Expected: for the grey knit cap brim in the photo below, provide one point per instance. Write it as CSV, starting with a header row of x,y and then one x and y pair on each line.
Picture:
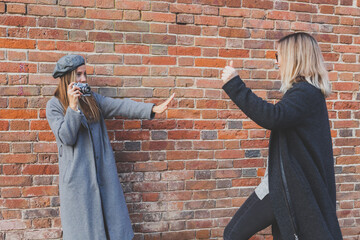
x,y
67,63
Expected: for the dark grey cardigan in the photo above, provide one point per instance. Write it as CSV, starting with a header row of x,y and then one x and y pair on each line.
x,y
300,128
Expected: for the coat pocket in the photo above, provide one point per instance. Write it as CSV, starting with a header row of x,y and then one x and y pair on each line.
x,y
65,161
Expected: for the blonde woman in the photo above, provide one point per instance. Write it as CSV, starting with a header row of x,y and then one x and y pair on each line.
x,y
297,195
91,198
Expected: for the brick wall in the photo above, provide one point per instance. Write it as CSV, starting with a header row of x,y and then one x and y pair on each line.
x,y
186,172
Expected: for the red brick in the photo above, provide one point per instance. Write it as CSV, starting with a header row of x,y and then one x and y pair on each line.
x,y
136,49
16,8
45,56
75,24
234,12
200,185
150,167
159,60
264,4
258,44
19,91
281,15
187,51
245,182
159,39
15,43
75,12
158,82
299,26
48,34
150,186
7,181
80,3
158,17
41,191
10,192
2,7
73,46
18,103
16,56
233,134
105,37
230,154
16,203
258,24
150,197
131,71
105,14
18,21
132,15
181,155
210,20
303,7
210,42
18,114
19,125
183,29
42,10
208,62
133,5
180,134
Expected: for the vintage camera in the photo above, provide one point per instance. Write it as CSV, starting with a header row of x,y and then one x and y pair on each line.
x,y
84,89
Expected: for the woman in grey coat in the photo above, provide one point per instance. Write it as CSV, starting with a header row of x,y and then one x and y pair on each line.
x,y
91,198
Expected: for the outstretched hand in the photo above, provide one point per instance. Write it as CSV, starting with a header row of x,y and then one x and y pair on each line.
x,y
229,73
162,107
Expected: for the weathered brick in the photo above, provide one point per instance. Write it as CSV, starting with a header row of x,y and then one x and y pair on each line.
x,y
82,3
43,10
18,21
105,14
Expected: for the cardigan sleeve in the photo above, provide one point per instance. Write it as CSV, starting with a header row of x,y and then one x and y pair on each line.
x,y
65,127
128,108
297,103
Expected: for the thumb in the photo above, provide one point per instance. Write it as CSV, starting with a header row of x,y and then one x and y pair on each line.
x,y
232,63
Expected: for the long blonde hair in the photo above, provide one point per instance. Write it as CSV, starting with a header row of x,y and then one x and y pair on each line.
x,y
301,59
87,104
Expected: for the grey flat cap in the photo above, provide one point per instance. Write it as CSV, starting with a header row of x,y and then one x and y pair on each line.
x,y
67,63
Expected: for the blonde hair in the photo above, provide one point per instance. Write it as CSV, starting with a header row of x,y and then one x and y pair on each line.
x,y
87,104
301,59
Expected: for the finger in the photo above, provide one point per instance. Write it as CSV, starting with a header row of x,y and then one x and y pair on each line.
x,y
71,85
169,99
232,63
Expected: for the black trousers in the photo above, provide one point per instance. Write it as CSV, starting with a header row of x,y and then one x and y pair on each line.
x,y
253,216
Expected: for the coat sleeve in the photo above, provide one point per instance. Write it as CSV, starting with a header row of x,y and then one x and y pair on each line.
x,y
128,108
65,127
296,104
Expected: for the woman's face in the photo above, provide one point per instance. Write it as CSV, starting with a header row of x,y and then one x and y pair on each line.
x,y
81,74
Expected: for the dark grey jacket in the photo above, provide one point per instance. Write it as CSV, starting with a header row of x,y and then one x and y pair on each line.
x,y
91,197
301,137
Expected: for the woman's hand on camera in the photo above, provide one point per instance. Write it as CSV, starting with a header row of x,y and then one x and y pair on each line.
x,y
229,73
73,95
162,107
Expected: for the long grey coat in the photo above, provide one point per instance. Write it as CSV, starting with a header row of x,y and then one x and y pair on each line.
x,y
91,198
